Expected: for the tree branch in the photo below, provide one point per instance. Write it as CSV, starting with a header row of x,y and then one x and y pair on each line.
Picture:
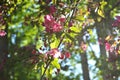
x,y
47,65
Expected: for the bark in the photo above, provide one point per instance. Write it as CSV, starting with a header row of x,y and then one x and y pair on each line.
x,y
3,56
101,32
104,28
84,60
84,63
3,40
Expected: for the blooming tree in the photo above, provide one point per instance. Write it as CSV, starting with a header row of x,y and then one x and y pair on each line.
x,y
42,39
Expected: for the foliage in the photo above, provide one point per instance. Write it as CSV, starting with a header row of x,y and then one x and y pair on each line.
x,y
47,38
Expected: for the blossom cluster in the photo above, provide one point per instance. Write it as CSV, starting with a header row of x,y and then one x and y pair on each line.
x,y
2,33
112,51
112,48
55,53
51,24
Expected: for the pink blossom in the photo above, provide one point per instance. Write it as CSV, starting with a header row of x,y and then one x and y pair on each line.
x,y
107,46
55,53
2,33
57,27
62,18
118,18
52,9
49,21
51,25
70,24
115,23
49,18
67,55
62,56
112,49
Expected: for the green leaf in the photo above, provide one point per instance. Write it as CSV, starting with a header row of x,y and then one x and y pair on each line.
x,y
49,73
103,3
42,69
90,31
55,43
80,17
75,29
39,44
55,63
100,13
70,37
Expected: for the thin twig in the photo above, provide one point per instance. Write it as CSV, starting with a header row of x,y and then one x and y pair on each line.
x,y
47,65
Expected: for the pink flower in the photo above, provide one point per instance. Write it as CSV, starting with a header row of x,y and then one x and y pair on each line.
x,y
49,18
112,49
55,53
61,56
48,23
51,25
2,33
107,46
118,18
115,23
57,27
52,9
70,24
62,19
67,55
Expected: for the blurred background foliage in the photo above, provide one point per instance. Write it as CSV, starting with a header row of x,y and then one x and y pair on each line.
x,y
92,23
